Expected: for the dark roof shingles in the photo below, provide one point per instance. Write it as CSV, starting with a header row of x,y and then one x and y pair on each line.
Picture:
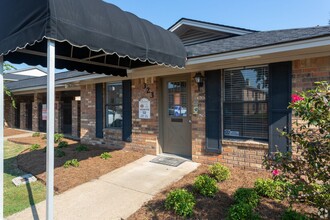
x,y
42,81
255,40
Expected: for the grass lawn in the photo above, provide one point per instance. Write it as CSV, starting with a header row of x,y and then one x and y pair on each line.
x,y
18,198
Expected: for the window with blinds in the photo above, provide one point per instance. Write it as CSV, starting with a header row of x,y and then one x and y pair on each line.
x,y
114,105
245,103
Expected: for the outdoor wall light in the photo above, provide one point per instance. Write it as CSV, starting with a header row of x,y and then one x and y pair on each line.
x,y
199,79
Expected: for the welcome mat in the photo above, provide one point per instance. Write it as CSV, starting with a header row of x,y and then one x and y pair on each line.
x,y
169,161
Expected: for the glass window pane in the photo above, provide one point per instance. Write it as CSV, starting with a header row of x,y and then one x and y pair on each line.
x,y
177,99
246,103
114,107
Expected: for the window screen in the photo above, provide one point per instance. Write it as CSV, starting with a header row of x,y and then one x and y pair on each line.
x,y
114,106
245,104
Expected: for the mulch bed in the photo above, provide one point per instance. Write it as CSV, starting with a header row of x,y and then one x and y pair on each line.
x,y
217,207
91,166
10,132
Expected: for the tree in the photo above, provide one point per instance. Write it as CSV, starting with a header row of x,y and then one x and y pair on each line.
x,y
307,169
7,92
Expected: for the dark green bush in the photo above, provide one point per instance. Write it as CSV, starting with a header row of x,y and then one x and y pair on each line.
x,y
290,214
242,211
58,138
219,172
105,156
273,189
62,144
72,163
206,185
181,201
59,153
247,195
34,147
81,148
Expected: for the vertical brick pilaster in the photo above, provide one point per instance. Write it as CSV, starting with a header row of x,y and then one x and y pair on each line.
x,y
9,114
35,111
23,116
58,116
76,118
88,113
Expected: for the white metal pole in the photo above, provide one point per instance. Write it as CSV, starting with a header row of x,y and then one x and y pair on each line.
x,y
50,128
2,103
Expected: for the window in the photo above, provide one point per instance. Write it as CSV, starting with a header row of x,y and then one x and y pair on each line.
x,y
177,98
245,104
114,106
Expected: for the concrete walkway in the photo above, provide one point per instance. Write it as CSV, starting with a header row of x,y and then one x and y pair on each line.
x,y
115,195
27,134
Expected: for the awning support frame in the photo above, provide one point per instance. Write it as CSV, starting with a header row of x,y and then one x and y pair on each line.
x,y
2,103
50,128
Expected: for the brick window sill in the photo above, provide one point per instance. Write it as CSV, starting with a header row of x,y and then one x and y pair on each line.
x,y
245,143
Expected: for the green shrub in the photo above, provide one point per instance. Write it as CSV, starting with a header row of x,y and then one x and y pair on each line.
x,y
62,144
81,148
59,153
219,172
36,134
105,156
290,214
181,201
206,185
44,137
242,211
72,163
310,140
273,189
246,195
34,147
58,138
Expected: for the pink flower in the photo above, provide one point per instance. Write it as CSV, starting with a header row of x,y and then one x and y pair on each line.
x,y
276,172
296,98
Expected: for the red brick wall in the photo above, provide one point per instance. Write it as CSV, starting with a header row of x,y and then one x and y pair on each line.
x,y
308,71
144,131
9,113
88,117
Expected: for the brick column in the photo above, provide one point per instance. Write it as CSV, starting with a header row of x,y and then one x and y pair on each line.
x,y
9,114
23,115
35,111
76,118
58,116
88,117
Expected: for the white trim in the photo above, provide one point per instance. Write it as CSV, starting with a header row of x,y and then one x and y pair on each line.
x,y
209,26
325,41
2,103
50,129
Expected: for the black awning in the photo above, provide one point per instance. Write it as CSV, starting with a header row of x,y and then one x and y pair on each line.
x,y
90,35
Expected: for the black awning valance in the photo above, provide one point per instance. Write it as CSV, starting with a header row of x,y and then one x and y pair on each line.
x,y
90,35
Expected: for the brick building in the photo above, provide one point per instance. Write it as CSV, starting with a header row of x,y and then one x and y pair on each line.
x,y
231,116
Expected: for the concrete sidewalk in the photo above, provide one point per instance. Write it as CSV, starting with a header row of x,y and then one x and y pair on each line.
x,y
115,195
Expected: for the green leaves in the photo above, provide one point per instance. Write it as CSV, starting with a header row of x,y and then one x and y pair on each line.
x,y
308,165
181,201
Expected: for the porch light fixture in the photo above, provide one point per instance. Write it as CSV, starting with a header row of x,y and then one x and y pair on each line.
x,y
199,79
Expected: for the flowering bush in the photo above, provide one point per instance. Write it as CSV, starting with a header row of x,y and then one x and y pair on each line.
x,y
307,168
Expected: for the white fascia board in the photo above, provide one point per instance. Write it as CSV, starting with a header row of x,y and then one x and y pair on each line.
x,y
299,45
213,27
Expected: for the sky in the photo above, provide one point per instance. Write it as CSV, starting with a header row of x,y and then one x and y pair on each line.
x,y
261,15
251,14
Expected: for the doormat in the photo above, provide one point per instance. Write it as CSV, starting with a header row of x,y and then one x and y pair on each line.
x,y
169,161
